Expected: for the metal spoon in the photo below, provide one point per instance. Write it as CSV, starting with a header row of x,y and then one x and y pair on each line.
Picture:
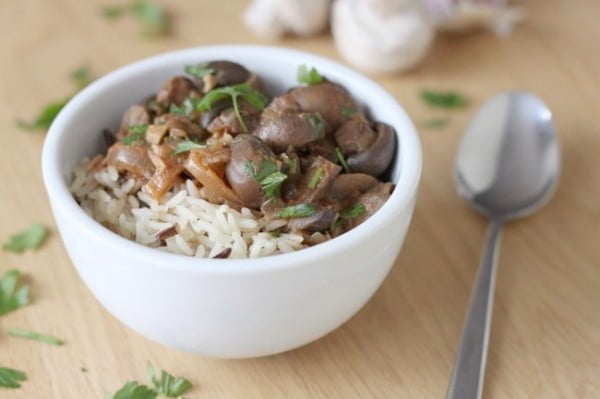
x,y
507,166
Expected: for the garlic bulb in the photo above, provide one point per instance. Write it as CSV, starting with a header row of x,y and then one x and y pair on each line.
x,y
274,18
465,15
381,36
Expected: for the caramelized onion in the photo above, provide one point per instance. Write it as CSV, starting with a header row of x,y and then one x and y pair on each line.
x,y
198,167
130,158
166,174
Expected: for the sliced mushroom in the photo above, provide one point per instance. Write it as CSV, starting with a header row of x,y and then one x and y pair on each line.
x,y
130,158
175,91
247,152
355,135
375,160
135,115
281,130
320,221
192,130
348,187
155,133
225,73
227,121
372,200
315,181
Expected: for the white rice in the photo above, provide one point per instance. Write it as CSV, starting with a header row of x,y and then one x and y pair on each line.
x,y
203,229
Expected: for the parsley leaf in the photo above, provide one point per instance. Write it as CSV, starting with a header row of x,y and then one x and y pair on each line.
x,y
269,177
133,390
168,385
448,99
317,122
153,18
252,97
297,211
82,76
316,179
136,133
347,112
199,70
47,339
340,157
186,109
435,123
45,118
30,238
11,297
308,76
10,378
187,145
354,211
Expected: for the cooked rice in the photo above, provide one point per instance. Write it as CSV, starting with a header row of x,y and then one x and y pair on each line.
x,y
203,229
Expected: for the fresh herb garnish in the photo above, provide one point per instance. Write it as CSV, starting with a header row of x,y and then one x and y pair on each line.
x,y
186,109
243,90
112,12
317,122
349,213
13,293
47,339
11,378
443,99
82,76
316,179
187,145
309,76
136,133
198,70
45,118
30,238
347,112
83,369
297,211
435,123
340,157
268,176
168,385
292,166
153,18
133,390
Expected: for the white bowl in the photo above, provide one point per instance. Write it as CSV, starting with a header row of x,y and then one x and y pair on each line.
x,y
225,307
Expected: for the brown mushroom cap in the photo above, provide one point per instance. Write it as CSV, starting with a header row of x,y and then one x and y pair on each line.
x,y
247,150
347,187
354,135
228,73
281,130
375,160
175,91
320,221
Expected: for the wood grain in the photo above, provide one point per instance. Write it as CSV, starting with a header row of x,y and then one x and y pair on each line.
x,y
546,336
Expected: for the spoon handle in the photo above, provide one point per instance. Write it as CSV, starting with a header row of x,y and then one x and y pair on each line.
x,y
469,370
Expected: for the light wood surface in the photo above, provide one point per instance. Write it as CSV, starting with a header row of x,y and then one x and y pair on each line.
x,y
546,336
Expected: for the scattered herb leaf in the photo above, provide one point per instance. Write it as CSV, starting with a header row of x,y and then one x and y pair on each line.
x,y
83,369
112,12
297,211
133,390
435,123
11,378
11,297
447,99
252,97
47,339
292,166
354,211
347,112
198,70
30,238
187,145
308,76
82,76
168,385
317,122
186,109
316,179
153,18
269,177
136,133
340,157
45,118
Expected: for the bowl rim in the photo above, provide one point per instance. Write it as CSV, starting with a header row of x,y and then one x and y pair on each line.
x,y
61,198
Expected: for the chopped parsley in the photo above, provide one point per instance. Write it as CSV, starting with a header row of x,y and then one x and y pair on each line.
x,y
186,109
30,238
45,118
11,378
340,157
47,339
198,70
443,99
13,293
168,385
268,176
308,76
316,178
292,166
297,211
136,133
347,112
187,145
349,213
243,90
435,123
134,390
317,122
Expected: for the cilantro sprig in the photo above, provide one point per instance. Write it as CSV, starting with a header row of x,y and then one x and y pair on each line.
x,y
168,385
13,293
134,390
187,145
186,109
309,76
268,176
47,339
11,378
30,238
45,117
297,211
234,92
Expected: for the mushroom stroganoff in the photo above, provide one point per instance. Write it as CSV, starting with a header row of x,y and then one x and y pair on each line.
x,y
211,166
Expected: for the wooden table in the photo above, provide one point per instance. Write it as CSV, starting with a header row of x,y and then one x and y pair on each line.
x,y
546,337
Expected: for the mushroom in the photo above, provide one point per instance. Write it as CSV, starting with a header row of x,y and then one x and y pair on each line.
x,y
290,129
346,188
320,221
175,91
223,73
227,122
381,36
274,18
247,151
196,164
372,200
135,115
131,158
375,158
315,181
